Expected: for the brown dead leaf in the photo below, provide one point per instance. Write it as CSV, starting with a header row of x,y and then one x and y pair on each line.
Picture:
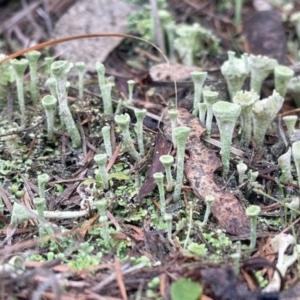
x,y
200,168
162,146
166,72
88,17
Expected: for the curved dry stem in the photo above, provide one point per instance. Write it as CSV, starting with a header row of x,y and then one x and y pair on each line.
x,y
87,36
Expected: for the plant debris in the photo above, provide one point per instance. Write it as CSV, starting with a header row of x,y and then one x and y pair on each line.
x,y
200,168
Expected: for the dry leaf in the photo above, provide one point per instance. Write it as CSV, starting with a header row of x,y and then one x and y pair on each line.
x,y
162,146
90,17
165,72
200,168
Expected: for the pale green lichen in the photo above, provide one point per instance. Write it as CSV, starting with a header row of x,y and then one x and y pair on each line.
x,y
282,75
260,67
226,114
60,70
264,112
235,70
198,80
181,135
49,103
33,57
209,98
252,212
294,89
19,67
246,100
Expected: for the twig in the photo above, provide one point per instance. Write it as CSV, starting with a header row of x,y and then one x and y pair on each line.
x,y
119,278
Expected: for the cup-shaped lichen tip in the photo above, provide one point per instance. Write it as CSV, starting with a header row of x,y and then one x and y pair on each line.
x,y
61,67
181,133
122,120
49,102
253,210
283,74
100,159
226,114
209,97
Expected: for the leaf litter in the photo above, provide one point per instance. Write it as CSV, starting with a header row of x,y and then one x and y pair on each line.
x,y
200,167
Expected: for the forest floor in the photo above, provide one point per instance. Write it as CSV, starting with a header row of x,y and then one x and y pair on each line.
x,y
132,255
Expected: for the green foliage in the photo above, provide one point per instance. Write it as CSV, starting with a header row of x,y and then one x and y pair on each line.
x,y
85,257
141,19
198,249
6,72
218,239
191,41
185,289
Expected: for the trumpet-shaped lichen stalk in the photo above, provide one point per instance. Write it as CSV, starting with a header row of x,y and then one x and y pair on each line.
x,y
33,57
264,112
51,83
105,89
101,208
252,176
130,84
294,207
107,140
282,75
208,200
260,68
123,121
107,99
180,134
187,42
40,205
235,70
42,180
246,100
226,114
80,65
60,70
290,122
238,4
173,113
295,19
210,98
241,168
167,161
198,80
101,160
7,75
284,162
19,67
252,213
168,220
294,89
49,61
49,103
296,157
140,115
159,180
202,107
